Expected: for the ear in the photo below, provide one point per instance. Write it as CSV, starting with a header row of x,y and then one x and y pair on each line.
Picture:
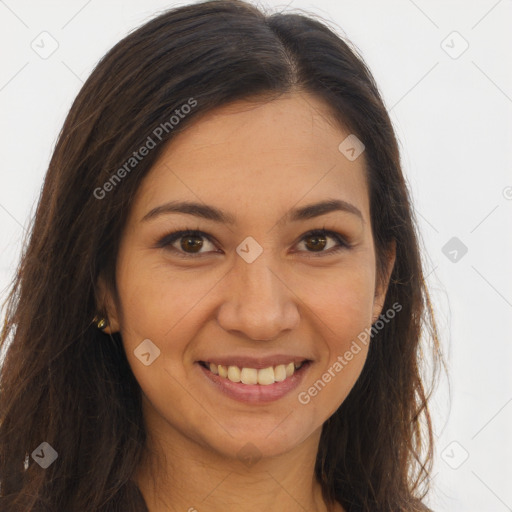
x,y
383,283
107,307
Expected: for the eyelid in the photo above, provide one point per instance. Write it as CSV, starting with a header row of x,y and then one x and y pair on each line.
x,y
341,240
167,240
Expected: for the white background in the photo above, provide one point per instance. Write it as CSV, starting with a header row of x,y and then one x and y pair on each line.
x,y
453,117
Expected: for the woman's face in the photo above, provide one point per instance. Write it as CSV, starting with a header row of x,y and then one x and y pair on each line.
x,y
256,292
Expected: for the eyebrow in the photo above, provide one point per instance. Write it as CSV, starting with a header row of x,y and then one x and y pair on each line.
x,y
215,214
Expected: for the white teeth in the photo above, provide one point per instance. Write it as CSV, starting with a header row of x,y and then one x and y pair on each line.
x,y
280,373
251,376
266,376
234,373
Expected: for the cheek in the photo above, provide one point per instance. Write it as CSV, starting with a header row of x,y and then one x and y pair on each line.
x,y
163,306
342,309
341,299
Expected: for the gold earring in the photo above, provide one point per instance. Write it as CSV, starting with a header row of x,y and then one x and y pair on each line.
x,y
101,323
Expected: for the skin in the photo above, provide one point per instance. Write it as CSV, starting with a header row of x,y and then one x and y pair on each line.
x,y
256,161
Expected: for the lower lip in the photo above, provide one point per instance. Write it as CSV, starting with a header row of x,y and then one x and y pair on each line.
x,y
256,393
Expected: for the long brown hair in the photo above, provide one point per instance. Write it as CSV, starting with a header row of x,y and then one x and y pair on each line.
x,y
66,383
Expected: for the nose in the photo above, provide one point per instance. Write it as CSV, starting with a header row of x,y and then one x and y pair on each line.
x,y
257,303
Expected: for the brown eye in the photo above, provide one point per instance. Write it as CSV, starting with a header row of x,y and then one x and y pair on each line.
x,y
317,242
191,243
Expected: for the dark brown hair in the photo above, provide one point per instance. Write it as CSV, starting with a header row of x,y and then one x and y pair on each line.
x,y
66,383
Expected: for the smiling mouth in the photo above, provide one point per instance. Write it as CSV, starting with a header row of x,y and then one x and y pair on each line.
x,y
251,376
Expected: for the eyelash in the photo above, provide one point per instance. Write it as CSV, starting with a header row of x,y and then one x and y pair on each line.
x,y
170,238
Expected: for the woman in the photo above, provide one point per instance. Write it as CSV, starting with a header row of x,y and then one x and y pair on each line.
x,y
221,301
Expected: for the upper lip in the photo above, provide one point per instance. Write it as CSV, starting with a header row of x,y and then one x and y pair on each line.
x,y
254,362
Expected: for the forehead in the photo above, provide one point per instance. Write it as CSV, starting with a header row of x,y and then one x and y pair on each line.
x,y
258,155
